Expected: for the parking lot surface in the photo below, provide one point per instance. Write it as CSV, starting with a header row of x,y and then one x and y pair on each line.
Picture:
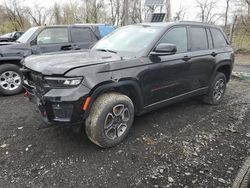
x,y
188,144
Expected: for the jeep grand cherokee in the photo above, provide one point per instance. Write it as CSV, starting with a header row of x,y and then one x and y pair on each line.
x,y
137,69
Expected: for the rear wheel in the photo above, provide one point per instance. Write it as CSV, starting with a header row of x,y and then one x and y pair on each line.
x,y
11,81
110,119
216,90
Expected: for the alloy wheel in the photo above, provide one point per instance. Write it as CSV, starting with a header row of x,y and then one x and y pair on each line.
x,y
116,122
10,80
219,89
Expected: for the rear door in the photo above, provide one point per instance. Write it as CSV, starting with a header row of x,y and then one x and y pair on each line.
x,y
52,39
82,37
202,56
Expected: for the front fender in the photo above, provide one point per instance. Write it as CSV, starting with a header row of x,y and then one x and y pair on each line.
x,y
117,86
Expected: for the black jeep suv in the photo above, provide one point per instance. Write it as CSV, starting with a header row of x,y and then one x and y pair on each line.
x,y
44,39
136,69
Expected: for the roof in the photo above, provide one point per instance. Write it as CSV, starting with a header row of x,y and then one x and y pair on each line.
x,y
167,24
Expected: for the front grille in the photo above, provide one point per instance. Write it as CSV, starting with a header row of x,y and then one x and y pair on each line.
x,y
36,79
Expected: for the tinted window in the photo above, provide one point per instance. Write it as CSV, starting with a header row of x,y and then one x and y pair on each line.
x,y
198,39
177,36
53,36
218,39
82,35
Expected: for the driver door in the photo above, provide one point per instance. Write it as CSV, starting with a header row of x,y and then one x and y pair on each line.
x,y
52,39
170,75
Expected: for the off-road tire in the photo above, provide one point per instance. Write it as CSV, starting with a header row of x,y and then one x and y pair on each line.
x,y
209,98
13,68
104,105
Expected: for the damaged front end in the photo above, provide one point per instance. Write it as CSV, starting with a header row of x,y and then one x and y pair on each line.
x,y
59,100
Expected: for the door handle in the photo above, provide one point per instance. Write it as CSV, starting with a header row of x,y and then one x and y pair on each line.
x,y
68,47
76,47
214,54
186,58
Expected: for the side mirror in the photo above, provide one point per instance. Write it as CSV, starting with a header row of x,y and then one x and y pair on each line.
x,y
164,49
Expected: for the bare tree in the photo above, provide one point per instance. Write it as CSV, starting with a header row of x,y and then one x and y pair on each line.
x,y
206,13
180,14
38,14
232,29
116,9
124,20
16,14
57,13
135,12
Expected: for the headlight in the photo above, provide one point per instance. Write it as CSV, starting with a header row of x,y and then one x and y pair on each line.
x,y
63,82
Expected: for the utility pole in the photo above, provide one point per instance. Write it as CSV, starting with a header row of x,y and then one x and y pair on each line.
x,y
226,14
168,13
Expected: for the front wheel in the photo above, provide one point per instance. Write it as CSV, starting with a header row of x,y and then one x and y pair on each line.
x,y
110,119
11,81
216,90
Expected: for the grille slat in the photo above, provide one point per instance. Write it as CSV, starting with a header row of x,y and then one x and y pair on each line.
x,y
36,79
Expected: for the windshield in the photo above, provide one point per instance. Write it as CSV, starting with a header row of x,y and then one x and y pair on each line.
x,y
130,40
26,36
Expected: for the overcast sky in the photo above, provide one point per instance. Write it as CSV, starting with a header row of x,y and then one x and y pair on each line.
x,y
189,5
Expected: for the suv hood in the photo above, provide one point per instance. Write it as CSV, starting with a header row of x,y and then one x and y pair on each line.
x,y
10,49
7,43
60,63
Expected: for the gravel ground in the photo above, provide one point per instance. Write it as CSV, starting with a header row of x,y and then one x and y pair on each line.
x,y
188,144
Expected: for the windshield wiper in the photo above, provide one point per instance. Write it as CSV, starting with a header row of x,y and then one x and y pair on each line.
x,y
106,50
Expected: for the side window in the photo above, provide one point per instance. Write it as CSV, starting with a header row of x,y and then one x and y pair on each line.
x,y
53,36
218,39
82,35
198,39
177,36
210,40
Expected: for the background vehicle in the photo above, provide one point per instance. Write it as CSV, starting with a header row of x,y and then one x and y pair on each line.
x,y
44,40
134,70
11,37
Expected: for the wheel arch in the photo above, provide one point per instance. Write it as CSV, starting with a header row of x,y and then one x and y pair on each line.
x,y
11,61
225,68
129,88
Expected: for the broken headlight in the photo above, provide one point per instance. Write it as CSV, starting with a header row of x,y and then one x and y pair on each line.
x,y
63,82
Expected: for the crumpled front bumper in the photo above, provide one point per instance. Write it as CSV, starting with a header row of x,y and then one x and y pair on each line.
x,y
59,105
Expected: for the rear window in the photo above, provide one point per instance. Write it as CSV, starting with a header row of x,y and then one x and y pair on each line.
x,y
198,39
82,35
218,39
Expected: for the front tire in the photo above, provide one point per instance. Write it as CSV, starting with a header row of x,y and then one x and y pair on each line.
x,y
216,90
11,81
110,119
